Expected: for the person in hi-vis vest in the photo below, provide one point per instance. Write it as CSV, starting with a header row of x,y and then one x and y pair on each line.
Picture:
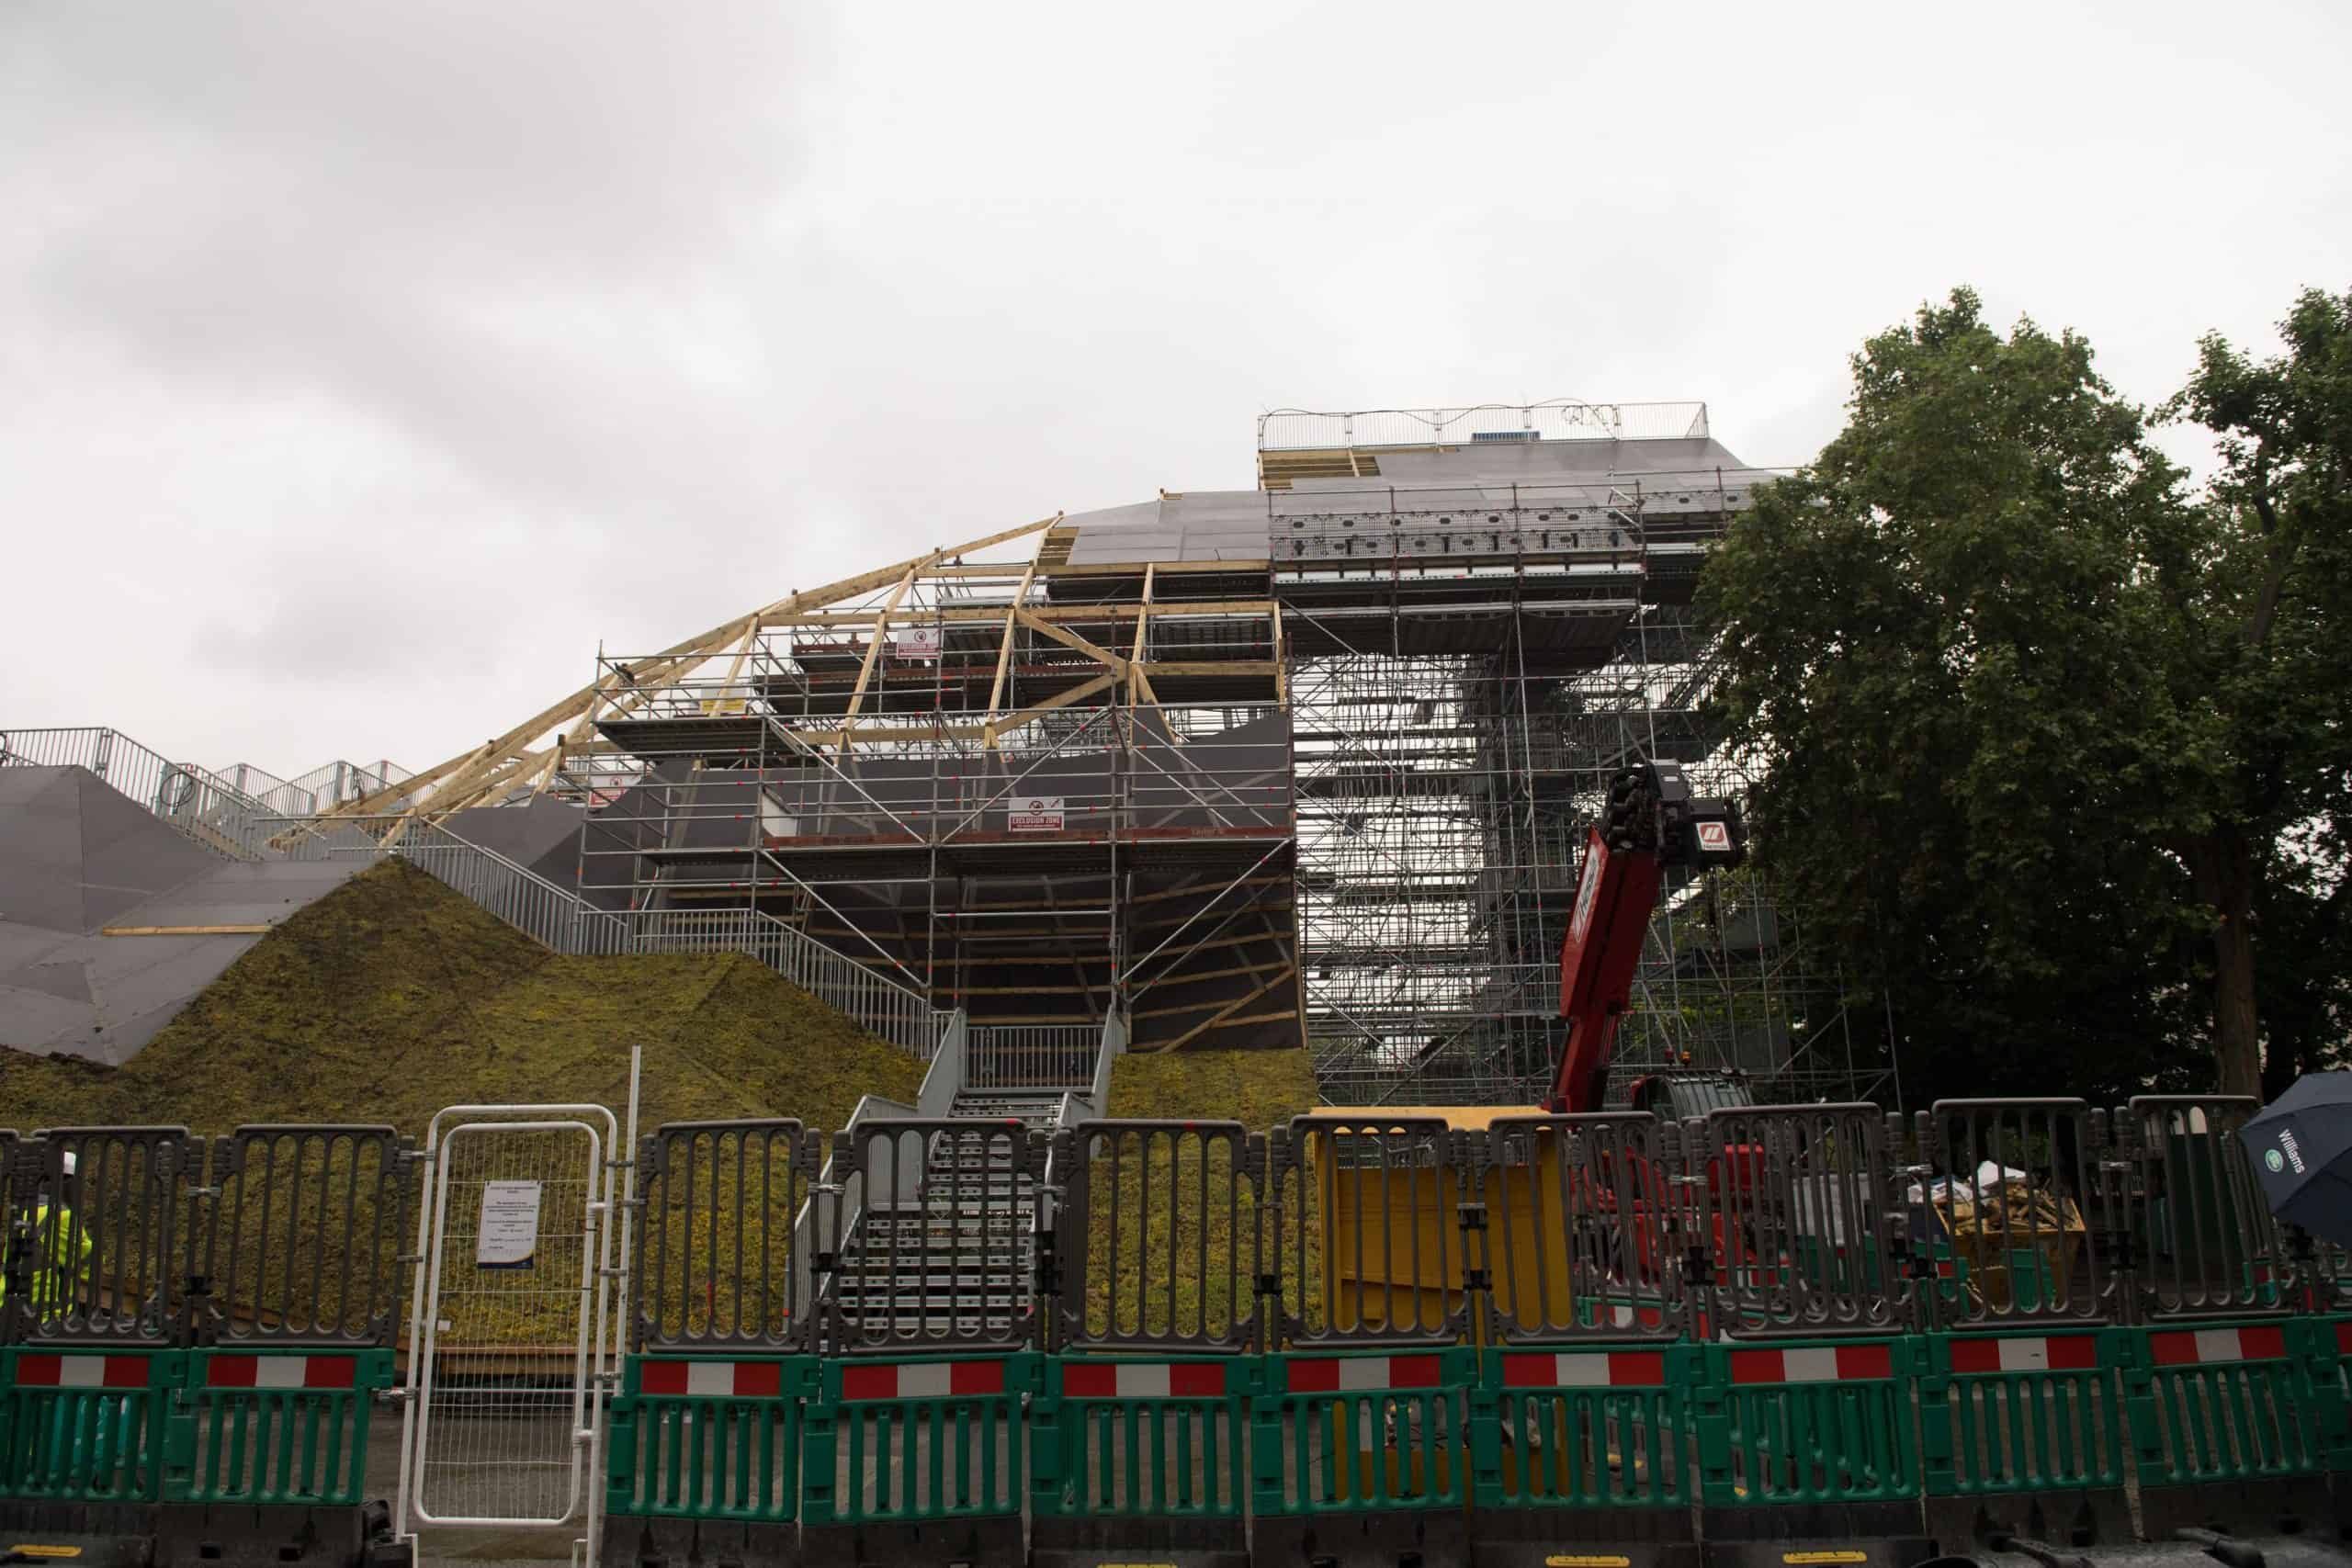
x,y
59,1264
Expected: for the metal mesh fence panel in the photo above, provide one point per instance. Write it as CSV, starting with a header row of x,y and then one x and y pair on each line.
x,y
1160,1234
716,1260
302,1240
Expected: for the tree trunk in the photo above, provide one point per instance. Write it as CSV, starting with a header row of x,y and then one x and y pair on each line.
x,y
2223,867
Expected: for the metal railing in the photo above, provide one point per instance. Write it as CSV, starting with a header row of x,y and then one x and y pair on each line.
x,y
1034,1056
1556,418
204,807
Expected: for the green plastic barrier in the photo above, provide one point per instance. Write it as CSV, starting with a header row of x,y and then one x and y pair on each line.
x,y
1359,1456
702,1457
1584,1454
707,1438
2225,1425
923,1458
277,1427
2023,1430
2324,1344
1141,1458
86,1425
1807,1447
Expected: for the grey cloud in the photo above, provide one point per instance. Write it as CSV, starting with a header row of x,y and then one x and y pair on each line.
x,y
367,364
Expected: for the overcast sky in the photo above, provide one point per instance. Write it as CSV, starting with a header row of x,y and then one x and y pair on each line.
x,y
363,365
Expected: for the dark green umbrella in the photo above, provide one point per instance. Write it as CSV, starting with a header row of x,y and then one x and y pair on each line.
x,y
2301,1146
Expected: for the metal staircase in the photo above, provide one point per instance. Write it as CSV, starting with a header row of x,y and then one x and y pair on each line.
x,y
954,1260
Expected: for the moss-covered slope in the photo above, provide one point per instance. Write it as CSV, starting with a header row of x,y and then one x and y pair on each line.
x,y
1260,1090
394,996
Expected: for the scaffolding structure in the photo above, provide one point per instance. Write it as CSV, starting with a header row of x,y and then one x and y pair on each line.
x,y
1305,764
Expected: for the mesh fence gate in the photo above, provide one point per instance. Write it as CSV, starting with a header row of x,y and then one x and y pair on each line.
x,y
508,1320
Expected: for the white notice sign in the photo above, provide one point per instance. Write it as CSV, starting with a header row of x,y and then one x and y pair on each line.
x,y
509,1225
917,642
1034,814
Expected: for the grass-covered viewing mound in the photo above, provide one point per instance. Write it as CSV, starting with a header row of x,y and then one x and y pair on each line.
x,y
395,995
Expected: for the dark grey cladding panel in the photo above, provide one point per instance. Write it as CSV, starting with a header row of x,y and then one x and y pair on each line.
x,y
128,853
543,835
1509,462
65,978
74,852
238,893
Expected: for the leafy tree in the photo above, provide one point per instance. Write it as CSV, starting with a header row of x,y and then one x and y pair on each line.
x,y
2036,727
2268,840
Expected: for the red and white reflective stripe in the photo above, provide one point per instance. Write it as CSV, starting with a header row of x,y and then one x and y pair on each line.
x,y
1831,1363
927,1380
2205,1347
713,1380
279,1372
81,1371
1596,1368
1362,1374
2073,1353
1142,1380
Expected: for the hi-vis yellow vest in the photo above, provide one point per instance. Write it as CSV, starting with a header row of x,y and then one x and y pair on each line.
x,y
51,1229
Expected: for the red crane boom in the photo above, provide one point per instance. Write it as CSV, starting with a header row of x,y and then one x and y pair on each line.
x,y
1651,822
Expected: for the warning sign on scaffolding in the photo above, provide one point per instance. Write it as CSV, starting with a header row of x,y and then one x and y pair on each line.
x,y
1034,814
915,642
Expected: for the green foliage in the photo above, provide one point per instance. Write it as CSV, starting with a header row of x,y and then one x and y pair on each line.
x,y
1993,659
394,996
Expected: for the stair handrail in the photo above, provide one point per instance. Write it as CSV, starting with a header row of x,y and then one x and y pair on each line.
x,y
902,1014
833,1211
943,1081
1114,1046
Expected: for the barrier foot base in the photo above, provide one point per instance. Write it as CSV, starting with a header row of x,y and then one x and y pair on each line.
x,y
1835,1535
991,1542
636,1541
1420,1538
260,1535
1600,1538
2295,1506
1057,1542
93,1535
2087,1516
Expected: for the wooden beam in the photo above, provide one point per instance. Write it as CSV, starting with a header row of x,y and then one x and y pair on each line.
x,y
1222,1014
1127,568
1071,640
1060,700
867,582
1004,653
1281,661
874,651
892,732
183,931
992,613
1142,679
1193,889
1213,667
565,709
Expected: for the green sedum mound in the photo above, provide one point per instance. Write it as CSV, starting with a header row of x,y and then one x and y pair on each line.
x,y
1171,1253
1260,1090
395,995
